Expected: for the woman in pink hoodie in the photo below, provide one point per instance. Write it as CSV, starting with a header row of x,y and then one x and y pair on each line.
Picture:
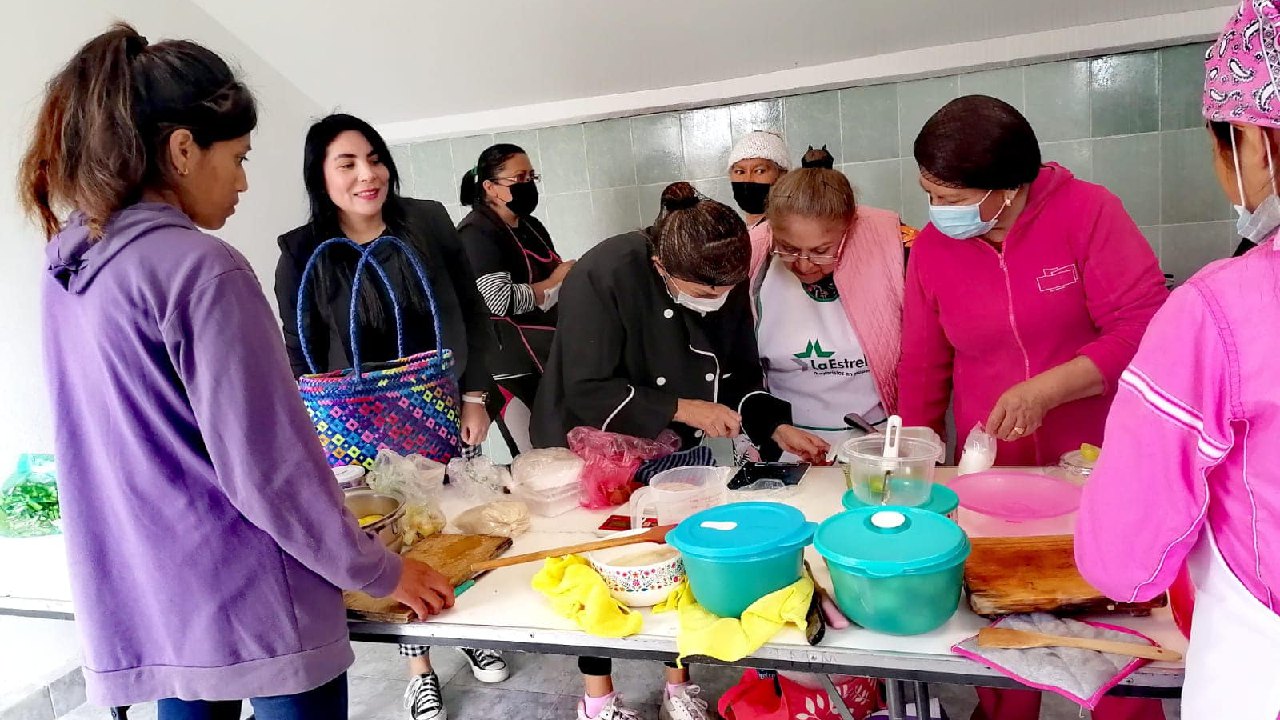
x,y
1191,468
1026,297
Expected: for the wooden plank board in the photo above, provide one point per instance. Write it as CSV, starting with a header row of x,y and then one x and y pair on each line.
x,y
1004,576
450,554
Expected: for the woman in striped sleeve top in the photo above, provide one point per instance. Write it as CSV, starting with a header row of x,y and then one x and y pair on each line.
x,y
518,272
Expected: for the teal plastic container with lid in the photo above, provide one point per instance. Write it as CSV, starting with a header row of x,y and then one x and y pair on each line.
x,y
895,570
943,501
736,554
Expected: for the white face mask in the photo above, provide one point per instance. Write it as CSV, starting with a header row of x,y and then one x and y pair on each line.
x,y
1257,225
699,305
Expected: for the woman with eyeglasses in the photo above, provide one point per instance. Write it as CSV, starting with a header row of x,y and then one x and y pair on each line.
x,y
518,273
827,284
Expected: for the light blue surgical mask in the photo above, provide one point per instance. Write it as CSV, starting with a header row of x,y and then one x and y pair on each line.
x,y
1261,223
963,221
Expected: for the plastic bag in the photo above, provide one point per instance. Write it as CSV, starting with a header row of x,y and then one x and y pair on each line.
x,y
979,452
478,478
508,518
29,499
611,462
546,469
419,482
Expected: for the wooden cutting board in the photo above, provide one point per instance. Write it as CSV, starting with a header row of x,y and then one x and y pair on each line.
x,y
1004,576
452,555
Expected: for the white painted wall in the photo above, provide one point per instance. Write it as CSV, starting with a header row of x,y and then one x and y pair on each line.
x,y
44,35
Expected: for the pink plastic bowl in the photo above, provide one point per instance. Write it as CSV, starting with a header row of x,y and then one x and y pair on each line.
x,y
1016,496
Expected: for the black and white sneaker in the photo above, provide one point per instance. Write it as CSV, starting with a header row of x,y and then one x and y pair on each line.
x,y
487,665
422,698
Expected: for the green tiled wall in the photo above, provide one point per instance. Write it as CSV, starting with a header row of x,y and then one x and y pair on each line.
x,y
1130,122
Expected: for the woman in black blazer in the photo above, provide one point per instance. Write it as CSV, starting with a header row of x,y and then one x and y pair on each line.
x,y
353,187
518,272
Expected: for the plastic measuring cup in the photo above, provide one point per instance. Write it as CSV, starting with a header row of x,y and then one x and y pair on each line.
x,y
675,494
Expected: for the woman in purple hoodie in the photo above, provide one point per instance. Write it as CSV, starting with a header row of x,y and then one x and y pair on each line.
x,y
206,537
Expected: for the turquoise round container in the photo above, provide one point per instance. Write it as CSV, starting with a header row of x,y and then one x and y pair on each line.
x,y
736,554
895,570
943,501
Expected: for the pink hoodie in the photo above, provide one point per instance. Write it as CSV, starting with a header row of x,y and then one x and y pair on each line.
x,y
1074,278
1202,386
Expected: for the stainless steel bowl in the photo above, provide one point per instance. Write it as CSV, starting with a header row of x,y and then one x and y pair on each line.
x,y
363,501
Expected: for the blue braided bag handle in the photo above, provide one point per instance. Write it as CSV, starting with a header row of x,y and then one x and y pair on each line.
x,y
366,259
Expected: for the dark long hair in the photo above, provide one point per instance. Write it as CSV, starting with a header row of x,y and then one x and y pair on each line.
x,y
335,269
978,142
102,130
471,190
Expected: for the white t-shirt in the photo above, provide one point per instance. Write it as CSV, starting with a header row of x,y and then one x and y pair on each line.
x,y
812,357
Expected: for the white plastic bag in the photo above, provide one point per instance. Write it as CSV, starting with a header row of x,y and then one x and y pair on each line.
x,y
547,469
979,452
508,518
478,478
419,482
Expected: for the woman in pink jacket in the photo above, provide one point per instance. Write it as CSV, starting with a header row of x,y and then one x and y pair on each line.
x,y
826,286
1191,467
1026,297
1027,293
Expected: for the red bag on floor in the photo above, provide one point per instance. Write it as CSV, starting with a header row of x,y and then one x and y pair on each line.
x,y
770,696
608,478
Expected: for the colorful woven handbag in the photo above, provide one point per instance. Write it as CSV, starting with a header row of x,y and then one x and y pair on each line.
x,y
409,405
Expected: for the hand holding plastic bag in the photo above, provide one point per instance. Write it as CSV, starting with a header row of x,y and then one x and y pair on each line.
x,y
979,452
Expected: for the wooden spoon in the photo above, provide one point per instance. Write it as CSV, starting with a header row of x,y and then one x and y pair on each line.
x,y
1009,638
653,535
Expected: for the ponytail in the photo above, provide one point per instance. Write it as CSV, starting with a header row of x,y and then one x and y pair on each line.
x,y
102,131
467,193
86,151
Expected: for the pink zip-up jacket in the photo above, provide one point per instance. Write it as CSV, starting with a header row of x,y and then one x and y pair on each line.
x,y
1192,440
1074,277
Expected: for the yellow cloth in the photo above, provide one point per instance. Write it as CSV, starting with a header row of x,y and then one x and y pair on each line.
x,y
577,592
731,639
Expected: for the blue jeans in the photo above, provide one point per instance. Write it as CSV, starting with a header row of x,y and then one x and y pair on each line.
x,y
327,702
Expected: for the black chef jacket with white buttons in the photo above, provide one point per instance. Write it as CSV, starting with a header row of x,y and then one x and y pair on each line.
x,y
624,352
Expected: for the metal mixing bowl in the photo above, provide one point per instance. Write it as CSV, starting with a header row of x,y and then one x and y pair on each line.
x,y
363,501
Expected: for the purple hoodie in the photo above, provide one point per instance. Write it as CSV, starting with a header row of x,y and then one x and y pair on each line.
x,y
206,536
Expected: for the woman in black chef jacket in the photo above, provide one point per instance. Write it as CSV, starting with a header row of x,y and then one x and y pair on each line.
x,y
518,273
656,332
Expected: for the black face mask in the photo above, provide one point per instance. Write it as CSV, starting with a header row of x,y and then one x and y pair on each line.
x,y
751,196
524,198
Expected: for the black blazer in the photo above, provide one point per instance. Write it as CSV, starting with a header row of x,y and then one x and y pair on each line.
x,y
464,319
625,352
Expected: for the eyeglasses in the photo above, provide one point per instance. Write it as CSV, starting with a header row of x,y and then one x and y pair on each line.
x,y
509,181
791,257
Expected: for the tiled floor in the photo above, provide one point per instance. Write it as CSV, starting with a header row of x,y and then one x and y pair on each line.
x,y
545,687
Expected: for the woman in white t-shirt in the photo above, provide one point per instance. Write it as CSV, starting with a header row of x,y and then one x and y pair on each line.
x,y
827,284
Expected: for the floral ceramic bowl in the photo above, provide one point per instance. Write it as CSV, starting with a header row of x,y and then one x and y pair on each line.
x,y
639,575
